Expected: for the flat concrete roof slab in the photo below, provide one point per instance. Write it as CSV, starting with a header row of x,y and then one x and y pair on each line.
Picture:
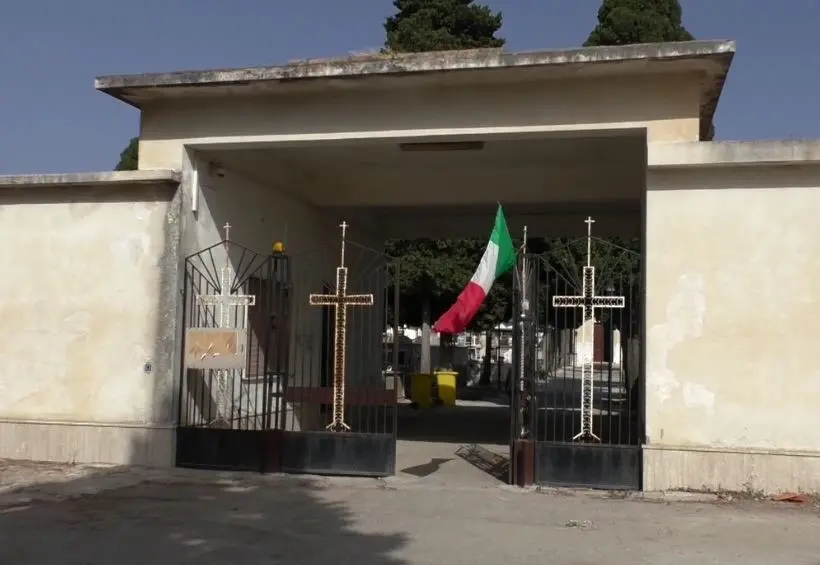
x,y
711,59
392,63
157,176
727,153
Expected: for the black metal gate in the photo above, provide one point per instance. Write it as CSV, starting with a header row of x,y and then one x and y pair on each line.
x,y
577,411
256,390
234,359
354,434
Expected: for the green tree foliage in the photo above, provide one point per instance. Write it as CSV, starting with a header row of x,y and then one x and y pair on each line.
x,y
428,270
437,270
129,156
440,25
625,22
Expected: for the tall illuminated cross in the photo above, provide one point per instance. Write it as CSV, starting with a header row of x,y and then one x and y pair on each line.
x,y
340,300
589,303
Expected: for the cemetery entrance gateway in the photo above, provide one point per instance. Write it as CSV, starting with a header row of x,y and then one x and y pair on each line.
x,y
576,413
266,361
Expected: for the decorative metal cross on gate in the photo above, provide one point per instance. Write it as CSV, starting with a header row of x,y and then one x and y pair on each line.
x,y
340,300
589,303
225,299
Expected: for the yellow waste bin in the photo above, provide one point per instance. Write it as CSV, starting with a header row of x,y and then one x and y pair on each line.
x,y
447,387
421,389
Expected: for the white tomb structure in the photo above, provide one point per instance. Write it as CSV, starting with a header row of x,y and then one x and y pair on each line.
x,y
584,345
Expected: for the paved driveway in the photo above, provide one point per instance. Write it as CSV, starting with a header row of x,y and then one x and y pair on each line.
x,y
87,516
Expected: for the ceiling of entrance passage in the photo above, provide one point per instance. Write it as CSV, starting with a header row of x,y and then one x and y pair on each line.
x,y
541,170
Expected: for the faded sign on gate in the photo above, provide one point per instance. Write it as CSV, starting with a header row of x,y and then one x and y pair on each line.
x,y
216,348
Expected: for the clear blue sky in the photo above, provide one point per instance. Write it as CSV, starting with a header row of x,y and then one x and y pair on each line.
x,y
52,119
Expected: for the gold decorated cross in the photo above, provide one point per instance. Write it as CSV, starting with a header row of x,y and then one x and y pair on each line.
x,y
340,300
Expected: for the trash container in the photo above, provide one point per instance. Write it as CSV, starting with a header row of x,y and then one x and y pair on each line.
x,y
421,389
447,387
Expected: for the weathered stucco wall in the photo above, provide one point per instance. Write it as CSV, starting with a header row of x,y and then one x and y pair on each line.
x,y
668,106
87,300
259,214
732,318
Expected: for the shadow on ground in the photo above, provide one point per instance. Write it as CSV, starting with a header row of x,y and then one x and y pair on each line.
x,y
100,518
488,424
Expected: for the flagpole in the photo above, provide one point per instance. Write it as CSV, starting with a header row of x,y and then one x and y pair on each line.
x,y
525,306
524,266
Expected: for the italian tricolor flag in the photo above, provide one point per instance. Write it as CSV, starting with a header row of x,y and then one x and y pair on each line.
x,y
498,258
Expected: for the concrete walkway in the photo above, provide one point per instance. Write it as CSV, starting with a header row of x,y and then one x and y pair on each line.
x,y
440,464
76,515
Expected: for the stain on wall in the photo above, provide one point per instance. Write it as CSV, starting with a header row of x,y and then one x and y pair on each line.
x,y
733,309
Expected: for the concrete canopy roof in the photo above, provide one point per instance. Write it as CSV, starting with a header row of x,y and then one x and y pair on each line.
x,y
711,59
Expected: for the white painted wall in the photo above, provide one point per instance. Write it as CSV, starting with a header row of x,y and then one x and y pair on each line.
x,y
259,213
81,299
733,318
733,307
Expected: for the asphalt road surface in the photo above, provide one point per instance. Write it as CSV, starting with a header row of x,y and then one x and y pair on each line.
x,y
128,517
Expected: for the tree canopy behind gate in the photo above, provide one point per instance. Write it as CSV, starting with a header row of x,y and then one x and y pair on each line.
x,y
441,25
437,270
129,158
625,22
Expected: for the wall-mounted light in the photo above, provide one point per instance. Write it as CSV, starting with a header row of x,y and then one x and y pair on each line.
x,y
195,184
443,146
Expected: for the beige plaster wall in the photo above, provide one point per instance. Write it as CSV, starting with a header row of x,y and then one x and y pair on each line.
x,y
87,300
668,106
259,213
732,319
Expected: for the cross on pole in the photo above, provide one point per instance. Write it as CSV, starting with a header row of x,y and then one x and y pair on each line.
x,y
344,225
523,391
340,300
589,302
589,221
225,299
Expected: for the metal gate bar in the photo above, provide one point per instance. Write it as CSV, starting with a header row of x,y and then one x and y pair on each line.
x,y
366,443
255,390
579,393
230,386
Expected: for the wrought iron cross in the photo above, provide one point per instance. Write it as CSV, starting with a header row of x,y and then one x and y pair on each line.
x,y
589,302
225,299
340,300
